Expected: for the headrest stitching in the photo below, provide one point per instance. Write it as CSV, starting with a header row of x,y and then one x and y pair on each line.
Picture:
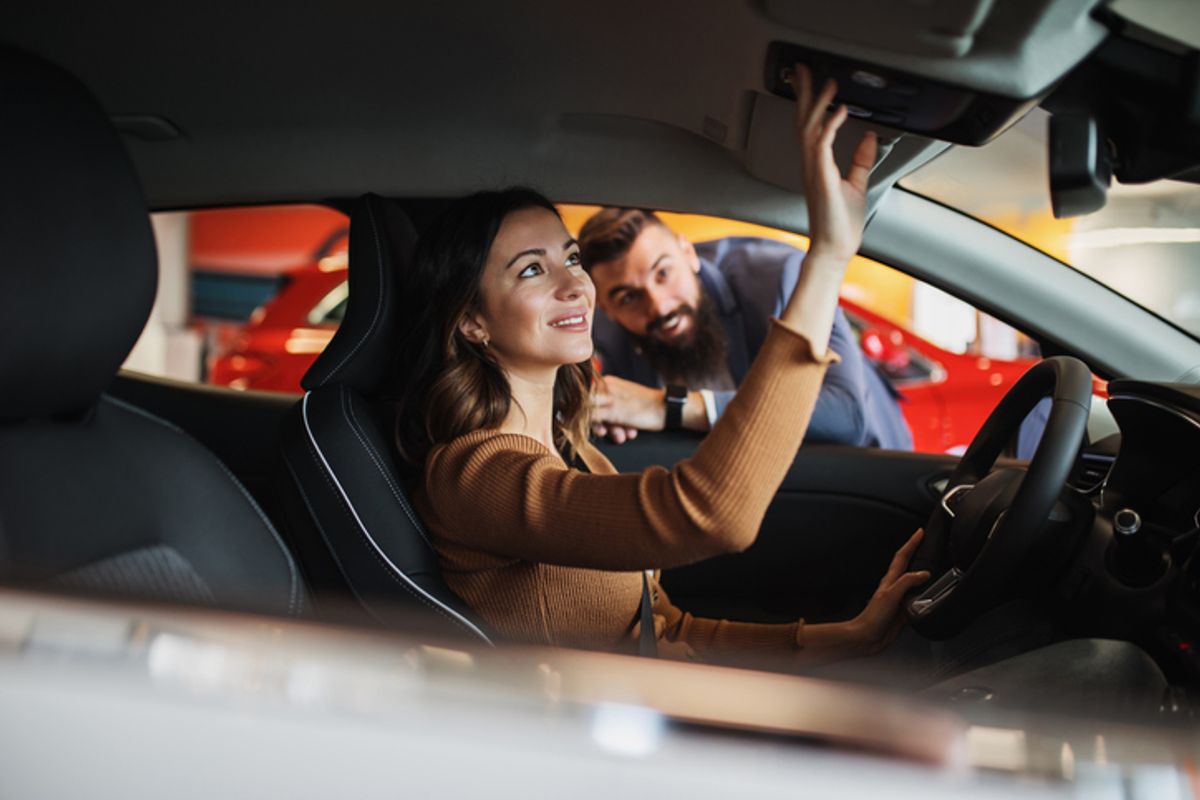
x,y
378,299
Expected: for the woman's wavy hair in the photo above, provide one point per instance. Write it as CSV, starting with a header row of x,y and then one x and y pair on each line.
x,y
451,386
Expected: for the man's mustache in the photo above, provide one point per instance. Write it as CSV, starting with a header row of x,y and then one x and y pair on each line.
x,y
658,322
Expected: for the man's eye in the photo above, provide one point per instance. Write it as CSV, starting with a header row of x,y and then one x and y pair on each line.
x,y
625,299
530,271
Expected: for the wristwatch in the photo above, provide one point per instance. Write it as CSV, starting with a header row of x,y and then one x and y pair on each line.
x,y
675,398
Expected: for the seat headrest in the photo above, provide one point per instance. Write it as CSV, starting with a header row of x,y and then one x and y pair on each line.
x,y
79,257
79,260
362,352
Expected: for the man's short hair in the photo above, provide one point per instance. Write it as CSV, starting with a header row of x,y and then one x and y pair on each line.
x,y
610,233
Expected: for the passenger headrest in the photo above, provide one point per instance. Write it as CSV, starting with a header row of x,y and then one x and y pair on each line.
x,y
78,259
362,352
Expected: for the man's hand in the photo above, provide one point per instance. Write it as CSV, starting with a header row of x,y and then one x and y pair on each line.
x,y
620,408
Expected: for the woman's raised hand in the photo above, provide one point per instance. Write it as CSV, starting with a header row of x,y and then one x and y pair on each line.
x,y
836,204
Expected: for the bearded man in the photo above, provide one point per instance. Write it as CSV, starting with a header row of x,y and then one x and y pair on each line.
x,y
678,325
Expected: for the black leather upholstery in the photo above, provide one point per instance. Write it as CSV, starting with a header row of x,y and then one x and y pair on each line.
x,y
97,494
79,260
360,354
348,513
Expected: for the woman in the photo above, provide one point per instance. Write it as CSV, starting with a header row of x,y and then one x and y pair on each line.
x,y
533,526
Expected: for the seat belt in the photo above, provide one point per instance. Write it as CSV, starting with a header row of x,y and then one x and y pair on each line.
x,y
647,641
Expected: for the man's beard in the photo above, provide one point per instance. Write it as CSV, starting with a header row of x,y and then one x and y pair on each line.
x,y
696,358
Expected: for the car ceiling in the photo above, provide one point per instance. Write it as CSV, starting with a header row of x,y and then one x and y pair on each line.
x,y
622,101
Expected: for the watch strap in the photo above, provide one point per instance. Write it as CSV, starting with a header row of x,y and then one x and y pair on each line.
x,y
676,398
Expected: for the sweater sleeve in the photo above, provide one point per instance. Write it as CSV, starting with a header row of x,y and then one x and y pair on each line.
x,y
506,494
725,641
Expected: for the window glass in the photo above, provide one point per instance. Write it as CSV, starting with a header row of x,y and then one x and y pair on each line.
x,y
1143,244
949,362
247,296
251,296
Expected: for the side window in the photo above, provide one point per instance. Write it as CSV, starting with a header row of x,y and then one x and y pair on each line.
x,y
247,296
947,362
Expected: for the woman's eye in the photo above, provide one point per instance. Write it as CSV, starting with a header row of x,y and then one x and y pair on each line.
x,y
530,271
574,260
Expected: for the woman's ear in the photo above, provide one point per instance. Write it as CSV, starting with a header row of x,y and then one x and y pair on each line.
x,y
472,327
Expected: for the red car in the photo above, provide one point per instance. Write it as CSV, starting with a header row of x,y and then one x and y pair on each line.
x,y
284,336
947,396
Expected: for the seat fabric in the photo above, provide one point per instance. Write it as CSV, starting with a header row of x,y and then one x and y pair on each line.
x,y
98,495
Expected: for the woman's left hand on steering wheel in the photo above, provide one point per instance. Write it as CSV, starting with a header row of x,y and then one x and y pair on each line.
x,y
882,620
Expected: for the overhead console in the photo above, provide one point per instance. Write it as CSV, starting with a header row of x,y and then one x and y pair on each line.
x,y
920,73
898,99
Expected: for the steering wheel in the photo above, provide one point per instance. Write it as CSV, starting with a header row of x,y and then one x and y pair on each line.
x,y
988,519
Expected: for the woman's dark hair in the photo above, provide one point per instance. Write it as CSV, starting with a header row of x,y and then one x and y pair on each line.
x,y
451,386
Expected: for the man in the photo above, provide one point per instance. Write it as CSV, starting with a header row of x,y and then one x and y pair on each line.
x,y
691,318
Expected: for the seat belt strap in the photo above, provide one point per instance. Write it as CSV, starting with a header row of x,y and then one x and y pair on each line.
x,y
647,641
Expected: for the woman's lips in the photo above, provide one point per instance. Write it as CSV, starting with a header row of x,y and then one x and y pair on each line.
x,y
575,321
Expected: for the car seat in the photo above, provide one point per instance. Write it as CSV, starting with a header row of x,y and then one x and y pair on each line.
x,y
97,495
347,510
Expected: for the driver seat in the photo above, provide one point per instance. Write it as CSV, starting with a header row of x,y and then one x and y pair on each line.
x,y
346,508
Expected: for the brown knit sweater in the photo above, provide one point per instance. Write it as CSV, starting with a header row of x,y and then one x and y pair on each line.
x,y
549,554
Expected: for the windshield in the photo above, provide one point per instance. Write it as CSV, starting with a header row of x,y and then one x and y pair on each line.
x,y
1144,244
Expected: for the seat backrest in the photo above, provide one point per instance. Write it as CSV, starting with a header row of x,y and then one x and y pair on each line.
x,y
349,516
97,495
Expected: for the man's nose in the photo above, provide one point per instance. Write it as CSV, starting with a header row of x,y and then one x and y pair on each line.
x,y
660,302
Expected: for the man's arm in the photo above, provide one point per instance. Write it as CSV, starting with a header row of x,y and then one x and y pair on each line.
x,y
840,413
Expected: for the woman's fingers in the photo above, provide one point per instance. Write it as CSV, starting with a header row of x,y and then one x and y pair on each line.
x,y
816,114
802,86
909,581
809,112
832,126
864,160
902,557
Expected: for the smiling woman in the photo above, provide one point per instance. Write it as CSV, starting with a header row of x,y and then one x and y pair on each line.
x,y
492,302
533,526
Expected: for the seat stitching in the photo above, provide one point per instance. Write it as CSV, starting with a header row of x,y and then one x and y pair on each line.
x,y
378,298
293,575
383,565
330,476
352,421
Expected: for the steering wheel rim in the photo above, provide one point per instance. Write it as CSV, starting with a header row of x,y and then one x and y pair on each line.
x,y
957,593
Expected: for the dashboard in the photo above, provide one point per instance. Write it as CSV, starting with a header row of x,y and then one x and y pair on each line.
x,y
1150,499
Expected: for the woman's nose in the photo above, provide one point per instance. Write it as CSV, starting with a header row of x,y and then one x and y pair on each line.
x,y
573,284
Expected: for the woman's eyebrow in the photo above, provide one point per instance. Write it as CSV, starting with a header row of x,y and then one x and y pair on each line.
x,y
536,251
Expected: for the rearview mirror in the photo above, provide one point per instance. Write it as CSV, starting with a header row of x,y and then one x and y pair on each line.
x,y
1080,167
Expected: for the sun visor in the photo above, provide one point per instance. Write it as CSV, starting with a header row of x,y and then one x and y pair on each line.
x,y
773,155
